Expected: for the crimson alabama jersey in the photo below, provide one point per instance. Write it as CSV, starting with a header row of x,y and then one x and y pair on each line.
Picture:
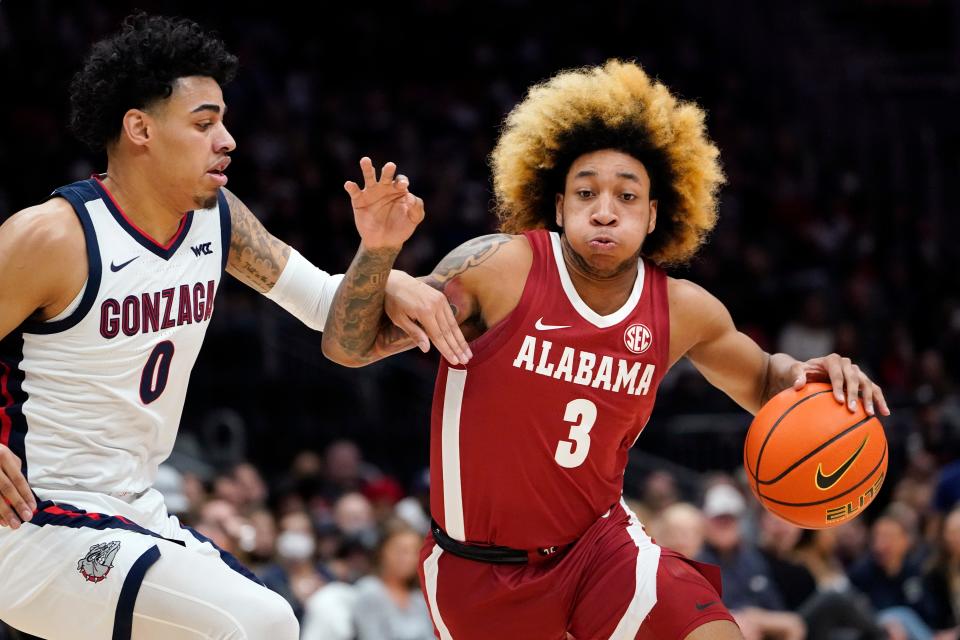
x,y
529,440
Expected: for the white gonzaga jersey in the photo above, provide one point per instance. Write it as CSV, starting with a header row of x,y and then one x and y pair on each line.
x,y
91,400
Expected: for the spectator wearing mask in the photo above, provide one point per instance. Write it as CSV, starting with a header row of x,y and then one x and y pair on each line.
x,y
295,575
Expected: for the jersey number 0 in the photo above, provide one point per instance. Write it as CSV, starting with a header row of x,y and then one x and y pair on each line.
x,y
153,380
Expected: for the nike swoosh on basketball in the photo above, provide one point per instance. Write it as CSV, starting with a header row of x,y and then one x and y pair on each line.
x,y
117,267
824,482
547,327
703,606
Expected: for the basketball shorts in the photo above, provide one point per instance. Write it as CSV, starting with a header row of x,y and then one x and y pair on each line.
x,y
614,582
97,567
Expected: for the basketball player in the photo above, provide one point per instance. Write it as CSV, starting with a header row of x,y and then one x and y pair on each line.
x,y
601,176
106,291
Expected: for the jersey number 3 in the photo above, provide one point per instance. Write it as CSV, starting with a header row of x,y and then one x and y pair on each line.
x,y
153,380
571,453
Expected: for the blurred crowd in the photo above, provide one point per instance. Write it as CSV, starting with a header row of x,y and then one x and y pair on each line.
x,y
837,129
340,539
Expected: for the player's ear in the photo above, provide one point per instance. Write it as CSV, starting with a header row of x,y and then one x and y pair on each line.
x,y
136,126
653,217
559,205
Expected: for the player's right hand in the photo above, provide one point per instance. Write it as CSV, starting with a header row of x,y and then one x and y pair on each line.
x,y
385,211
424,314
16,499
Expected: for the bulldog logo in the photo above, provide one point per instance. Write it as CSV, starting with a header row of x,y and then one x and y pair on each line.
x,y
99,560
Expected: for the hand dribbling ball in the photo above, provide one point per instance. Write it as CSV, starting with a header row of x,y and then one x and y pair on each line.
x,y
812,461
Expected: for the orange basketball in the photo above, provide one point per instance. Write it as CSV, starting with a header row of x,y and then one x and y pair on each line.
x,y
811,461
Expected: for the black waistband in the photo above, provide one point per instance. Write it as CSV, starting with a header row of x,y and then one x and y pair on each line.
x,y
481,553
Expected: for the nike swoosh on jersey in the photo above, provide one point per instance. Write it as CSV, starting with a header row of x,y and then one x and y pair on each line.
x,y
117,267
824,482
703,606
547,327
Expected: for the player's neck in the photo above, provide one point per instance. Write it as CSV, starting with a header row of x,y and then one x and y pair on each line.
x,y
603,294
142,203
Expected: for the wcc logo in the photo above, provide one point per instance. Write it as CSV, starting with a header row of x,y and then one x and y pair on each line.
x,y
638,338
99,560
202,249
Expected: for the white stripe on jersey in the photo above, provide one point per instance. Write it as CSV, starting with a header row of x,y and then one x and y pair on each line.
x,y
105,391
450,445
645,593
431,571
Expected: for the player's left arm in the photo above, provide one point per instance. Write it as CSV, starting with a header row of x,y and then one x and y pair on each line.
x,y
730,360
267,264
257,258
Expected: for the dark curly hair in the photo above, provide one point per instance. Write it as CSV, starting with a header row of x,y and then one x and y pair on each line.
x,y
615,106
138,66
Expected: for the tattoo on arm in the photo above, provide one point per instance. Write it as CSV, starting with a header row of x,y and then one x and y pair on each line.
x,y
358,329
256,257
465,257
356,322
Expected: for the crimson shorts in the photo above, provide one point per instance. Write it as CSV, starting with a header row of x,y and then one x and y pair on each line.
x,y
614,582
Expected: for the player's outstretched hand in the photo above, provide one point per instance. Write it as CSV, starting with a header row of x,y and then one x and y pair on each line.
x,y
847,379
385,211
424,314
15,495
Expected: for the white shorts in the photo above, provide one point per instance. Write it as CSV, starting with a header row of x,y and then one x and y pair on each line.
x,y
91,566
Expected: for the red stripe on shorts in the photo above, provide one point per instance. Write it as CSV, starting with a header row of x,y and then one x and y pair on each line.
x,y
6,424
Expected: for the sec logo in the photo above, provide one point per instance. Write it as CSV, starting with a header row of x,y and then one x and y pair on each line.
x,y
638,338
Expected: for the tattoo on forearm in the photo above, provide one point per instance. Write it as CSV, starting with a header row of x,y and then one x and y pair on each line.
x,y
256,257
356,320
357,324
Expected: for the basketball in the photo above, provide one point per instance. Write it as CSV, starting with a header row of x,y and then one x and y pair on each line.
x,y
813,462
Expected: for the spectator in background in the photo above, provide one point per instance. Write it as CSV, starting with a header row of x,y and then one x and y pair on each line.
x,y
749,590
354,519
383,493
414,509
659,491
169,483
852,540
328,614
943,580
891,574
220,521
829,614
817,551
264,539
389,604
808,335
344,470
252,487
777,541
946,493
295,575
679,527
915,490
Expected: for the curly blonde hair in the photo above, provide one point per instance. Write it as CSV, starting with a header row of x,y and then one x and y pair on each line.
x,y
616,106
